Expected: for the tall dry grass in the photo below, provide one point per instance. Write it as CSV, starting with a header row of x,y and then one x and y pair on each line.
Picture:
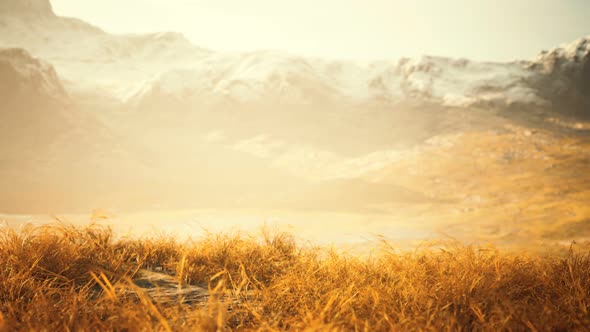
x,y
63,278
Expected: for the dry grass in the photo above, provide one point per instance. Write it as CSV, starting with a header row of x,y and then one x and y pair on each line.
x,y
522,184
62,278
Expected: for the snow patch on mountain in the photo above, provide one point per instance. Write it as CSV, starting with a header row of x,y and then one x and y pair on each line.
x,y
460,82
247,77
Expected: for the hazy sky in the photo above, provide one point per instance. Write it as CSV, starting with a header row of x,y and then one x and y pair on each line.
x,y
353,29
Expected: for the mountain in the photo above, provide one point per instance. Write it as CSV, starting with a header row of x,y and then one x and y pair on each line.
x,y
93,119
27,8
57,156
164,68
34,102
564,77
89,60
54,154
550,79
36,117
278,77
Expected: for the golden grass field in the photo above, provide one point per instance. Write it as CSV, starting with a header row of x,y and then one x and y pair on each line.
x,y
68,278
522,186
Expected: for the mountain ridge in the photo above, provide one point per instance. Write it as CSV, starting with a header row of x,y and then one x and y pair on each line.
x,y
546,81
138,69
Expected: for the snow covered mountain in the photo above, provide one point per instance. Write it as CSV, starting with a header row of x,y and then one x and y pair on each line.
x,y
161,68
564,76
553,78
279,77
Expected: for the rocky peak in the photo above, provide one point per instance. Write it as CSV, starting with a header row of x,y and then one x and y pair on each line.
x,y
26,8
23,75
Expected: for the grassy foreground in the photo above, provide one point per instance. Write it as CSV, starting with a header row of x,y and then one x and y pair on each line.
x,y
64,278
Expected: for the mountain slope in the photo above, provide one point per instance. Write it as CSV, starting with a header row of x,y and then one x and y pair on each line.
x,y
53,153
34,102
